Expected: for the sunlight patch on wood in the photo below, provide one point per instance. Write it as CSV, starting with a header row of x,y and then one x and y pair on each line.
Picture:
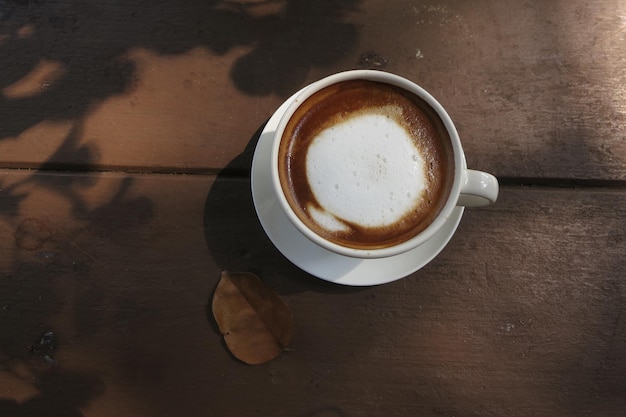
x,y
37,81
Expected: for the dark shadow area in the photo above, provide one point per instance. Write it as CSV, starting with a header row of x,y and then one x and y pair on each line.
x,y
88,42
60,395
329,412
49,271
236,239
51,275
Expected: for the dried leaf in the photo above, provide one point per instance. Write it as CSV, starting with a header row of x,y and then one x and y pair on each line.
x,y
256,323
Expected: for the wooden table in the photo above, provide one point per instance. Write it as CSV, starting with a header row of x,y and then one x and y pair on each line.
x,y
126,136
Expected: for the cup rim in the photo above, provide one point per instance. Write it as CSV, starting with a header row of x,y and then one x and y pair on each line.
x,y
396,80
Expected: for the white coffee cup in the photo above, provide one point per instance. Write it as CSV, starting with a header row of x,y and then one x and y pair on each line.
x,y
468,188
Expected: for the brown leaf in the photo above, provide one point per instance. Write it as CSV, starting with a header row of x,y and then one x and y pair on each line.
x,y
256,323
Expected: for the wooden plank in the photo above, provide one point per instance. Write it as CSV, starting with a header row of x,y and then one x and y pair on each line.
x,y
522,314
535,88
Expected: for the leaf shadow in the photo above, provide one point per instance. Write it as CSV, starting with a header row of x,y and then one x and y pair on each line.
x,y
89,44
51,272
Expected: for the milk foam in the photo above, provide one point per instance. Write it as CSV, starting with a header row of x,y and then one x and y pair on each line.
x,y
366,170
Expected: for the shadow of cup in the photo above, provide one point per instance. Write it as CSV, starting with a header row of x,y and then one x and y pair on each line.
x,y
236,239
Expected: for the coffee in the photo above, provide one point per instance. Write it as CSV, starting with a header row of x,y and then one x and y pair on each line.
x,y
365,164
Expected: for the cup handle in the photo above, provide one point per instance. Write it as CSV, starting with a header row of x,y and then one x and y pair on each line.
x,y
478,189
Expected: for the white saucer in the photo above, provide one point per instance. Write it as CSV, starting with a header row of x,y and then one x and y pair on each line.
x,y
316,260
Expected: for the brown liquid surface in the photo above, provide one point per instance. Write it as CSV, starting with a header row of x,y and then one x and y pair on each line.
x,y
337,103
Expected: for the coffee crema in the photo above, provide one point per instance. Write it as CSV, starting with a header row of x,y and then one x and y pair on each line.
x,y
365,164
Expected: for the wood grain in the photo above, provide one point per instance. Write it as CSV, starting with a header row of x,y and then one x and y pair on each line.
x,y
536,89
522,314
127,131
